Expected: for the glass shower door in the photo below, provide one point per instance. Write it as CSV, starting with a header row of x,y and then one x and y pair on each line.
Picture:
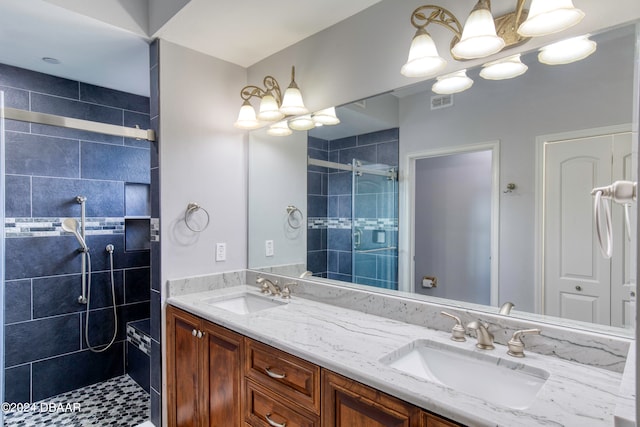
x,y
375,224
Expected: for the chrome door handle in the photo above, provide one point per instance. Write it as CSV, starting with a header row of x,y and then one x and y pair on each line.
x,y
273,423
273,374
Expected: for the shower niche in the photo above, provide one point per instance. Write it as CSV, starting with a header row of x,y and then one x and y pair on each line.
x,y
137,217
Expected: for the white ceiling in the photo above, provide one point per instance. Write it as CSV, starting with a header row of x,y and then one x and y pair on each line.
x,y
110,49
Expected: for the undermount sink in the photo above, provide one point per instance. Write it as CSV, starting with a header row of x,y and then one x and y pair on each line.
x,y
503,382
244,303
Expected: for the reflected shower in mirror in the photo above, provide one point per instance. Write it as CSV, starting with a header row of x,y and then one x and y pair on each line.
x,y
524,117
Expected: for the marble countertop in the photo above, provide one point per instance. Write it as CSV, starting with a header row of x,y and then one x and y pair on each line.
x,y
353,343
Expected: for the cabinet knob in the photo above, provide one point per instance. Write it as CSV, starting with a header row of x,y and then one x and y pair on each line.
x,y
273,423
194,332
578,288
200,334
273,374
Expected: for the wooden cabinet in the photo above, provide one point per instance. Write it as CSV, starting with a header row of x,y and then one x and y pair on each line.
x,y
347,403
216,377
204,372
280,389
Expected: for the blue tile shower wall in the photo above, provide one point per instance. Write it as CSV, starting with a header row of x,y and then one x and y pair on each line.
x,y
329,235
47,167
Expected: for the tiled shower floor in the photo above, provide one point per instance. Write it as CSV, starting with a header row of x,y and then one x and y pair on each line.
x,y
117,402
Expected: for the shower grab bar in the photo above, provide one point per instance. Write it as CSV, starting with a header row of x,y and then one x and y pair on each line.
x,y
79,124
366,251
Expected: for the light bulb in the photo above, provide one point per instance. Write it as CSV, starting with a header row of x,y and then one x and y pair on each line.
x,y
269,110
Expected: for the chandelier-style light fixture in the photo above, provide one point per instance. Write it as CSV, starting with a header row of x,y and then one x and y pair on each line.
x,y
275,106
482,36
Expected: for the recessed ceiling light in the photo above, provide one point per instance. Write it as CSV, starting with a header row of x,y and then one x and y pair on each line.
x,y
50,60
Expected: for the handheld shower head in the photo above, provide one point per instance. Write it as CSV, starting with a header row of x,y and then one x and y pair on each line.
x,y
70,225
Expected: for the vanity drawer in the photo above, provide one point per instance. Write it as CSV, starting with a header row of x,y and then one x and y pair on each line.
x,y
287,375
265,409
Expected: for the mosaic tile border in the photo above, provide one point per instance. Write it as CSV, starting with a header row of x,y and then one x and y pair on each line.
x,y
52,226
138,338
390,224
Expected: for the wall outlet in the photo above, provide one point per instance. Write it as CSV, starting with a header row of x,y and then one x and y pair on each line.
x,y
221,251
268,247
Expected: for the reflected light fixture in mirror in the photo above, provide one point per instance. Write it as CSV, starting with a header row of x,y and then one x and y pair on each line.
x,y
304,122
273,105
326,117
567,51
478,38
279,129
452,83
506,68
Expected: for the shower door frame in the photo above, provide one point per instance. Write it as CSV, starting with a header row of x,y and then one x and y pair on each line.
x,y
406,243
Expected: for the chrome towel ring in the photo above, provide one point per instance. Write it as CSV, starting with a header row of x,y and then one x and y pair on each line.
x,y
294,221
192,208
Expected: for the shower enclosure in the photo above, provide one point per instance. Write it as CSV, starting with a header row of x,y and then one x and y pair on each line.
x,y
50,160
353,208
375,224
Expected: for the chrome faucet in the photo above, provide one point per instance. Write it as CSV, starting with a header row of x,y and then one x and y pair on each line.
x,y
516,345
485,338
506,308
268,287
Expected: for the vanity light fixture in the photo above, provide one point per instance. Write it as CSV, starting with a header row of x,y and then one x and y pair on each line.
x,y
505,68
549,16
482,35
452,83
273,105
567,51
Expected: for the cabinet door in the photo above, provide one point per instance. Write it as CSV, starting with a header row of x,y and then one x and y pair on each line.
x,y
222,373
346,403
183,377
430,420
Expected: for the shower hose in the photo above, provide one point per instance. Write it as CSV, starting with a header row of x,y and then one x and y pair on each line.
x,y
113,297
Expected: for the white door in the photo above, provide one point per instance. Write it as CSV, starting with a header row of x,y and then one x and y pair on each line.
x,y
577,279
622,275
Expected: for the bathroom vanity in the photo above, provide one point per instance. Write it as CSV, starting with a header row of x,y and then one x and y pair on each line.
x,y
236,354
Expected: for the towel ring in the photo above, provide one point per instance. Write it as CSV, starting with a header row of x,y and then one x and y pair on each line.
x,y
192,208
293,221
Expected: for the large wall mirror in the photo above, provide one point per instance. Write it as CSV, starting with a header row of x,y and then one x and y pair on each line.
x,y
482,197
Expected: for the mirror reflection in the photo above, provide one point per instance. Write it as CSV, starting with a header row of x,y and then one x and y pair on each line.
x,y
523,219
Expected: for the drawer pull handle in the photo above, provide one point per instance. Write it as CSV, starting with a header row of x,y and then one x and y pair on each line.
x,y
273,374
273,423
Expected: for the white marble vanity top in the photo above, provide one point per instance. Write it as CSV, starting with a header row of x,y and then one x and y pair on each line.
x,y
352,343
